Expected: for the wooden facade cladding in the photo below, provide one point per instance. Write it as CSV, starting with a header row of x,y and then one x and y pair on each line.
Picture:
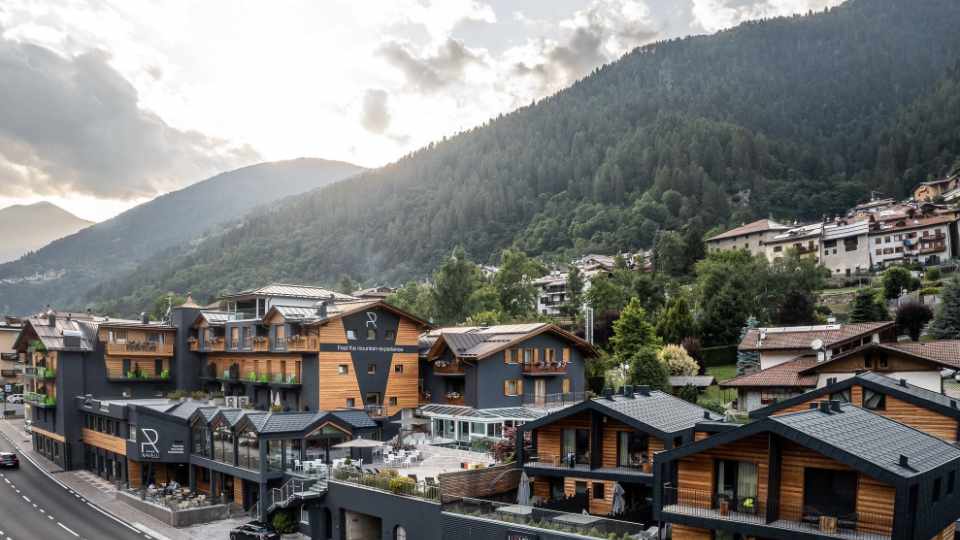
x,y
947,534
682,532
696,472
879,361
333,332
134,473
608,446
137,342
407,333
147,366
600,507
335,388
110,443
238,491
915,416
48,434
549,437
403,385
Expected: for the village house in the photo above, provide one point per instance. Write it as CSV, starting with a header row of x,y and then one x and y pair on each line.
x,y
752,237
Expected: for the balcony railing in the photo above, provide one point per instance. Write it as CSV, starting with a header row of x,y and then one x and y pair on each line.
x,y
42,373
448,367
544,368
398,485
454,398
550,520
9,372
140,348
553,401
705,504
40,400
296,343
261,344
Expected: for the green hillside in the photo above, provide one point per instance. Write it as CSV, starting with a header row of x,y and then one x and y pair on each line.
x,y
795,117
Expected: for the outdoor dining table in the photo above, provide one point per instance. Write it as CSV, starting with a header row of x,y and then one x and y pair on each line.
x,y
516,509
577,519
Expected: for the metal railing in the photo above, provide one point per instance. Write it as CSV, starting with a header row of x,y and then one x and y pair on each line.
x,y
296,343
550,401
39,399
544,367
550,520
296,488
448,367
387,481
705,504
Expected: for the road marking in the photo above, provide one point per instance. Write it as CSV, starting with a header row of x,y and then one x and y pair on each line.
x,y
17,490
49,516
64,527
26,498
42,511
6,480
148,532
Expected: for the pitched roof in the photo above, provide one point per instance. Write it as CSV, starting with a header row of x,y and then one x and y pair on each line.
x,y
787,374
800,337
514,413
655,410
944,353
55,337
761,225
476,342
918,395
872,438
357,419
698,381
291,291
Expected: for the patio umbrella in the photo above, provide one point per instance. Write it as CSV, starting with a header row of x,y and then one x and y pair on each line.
x,y
523,490
618,504
276,400
359,443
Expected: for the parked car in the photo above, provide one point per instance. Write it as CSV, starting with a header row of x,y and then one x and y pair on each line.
x,y
15,398
255,530
9,460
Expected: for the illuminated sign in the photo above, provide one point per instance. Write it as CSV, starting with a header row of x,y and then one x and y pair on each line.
x,y
148,448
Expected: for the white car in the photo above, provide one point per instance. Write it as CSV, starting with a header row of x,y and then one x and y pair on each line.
x,y
15,398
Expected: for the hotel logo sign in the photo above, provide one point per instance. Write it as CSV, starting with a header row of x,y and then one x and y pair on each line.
x,y
148,448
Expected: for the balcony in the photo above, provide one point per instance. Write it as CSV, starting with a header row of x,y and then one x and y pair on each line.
x,y
753,510
260,344
296,344
284,381
40,400
142,377
551,465
454,398
9,373
376,411
544,368
553,401
140,348
448,367
40,373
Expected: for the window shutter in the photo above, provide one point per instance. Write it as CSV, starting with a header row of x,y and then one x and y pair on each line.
x,y
566,386
566,355
536,355
519,387
506,390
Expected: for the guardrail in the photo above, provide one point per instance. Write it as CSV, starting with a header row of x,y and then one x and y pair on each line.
x,y
387,481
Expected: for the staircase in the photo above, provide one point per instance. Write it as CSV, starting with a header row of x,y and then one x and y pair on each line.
x,y
294,491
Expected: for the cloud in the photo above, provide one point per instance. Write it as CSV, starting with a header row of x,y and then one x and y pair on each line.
x,y
431,71
376,114
713,15
597,34
73,124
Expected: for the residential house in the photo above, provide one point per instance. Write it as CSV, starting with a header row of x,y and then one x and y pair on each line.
x,y
929,191
832,471
11,362
751,237
845,247
928,239
479,380
804,240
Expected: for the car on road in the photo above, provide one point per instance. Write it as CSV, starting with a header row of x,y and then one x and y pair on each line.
x,y
255,530
15,398
10,460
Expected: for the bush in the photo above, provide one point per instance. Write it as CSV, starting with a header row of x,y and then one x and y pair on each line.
x,y
481,445
713,405
284,523
911,318
933,274
402,485
930,291
688,393
677,361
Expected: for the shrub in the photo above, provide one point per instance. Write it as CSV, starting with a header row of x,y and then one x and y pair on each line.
x,y
912,317
482,445
402,484
933,274
284,523
688,393
677,361
713,405
930,291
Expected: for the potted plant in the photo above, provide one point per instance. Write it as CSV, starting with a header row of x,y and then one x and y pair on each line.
x,y
165,374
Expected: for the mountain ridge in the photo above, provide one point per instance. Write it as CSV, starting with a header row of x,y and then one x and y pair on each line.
x,y
54,223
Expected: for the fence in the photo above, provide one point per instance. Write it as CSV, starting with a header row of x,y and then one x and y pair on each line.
x,y
387,481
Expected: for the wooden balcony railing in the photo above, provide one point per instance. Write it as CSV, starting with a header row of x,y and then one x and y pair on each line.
x,y
261,344
296,344
544,368
448,367
140,348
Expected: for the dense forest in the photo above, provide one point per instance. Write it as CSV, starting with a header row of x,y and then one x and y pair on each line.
x,y
795,117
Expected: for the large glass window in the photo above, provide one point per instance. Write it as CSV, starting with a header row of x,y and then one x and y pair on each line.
x,y
223,444
873,400
249,450
632,448
292,450
737,484
275,455
201,440
576,445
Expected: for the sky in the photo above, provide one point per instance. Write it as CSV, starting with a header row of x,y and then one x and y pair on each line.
x,y
106,104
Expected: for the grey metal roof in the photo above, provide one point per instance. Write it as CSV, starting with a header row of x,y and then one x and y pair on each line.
x,y
481,341
658,410
872,438
357,419
289,422
52,337
291,291
186,408
297,312
916,391
500,413
217,317
698,381
232,416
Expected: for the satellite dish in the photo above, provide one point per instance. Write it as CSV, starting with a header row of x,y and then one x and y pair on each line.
x,y
816,344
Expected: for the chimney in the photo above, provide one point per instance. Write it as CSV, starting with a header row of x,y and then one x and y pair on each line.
x,y
835,406
628,391
144,318
903,383
825,407
51,317
831,380
608,393
706,415
643,390
904,461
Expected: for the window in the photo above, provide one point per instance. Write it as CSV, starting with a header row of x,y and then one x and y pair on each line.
x,y
511,356
873,400
132,436
371,334
235,336
398,368
842,395
390,335
575,444
399,533
527,356
566,386
352,335
778,249
373,398
512,387
883,361
342,369
736,482
371,369
392,400
549,355
351,403
937,484
632,448
157,367
598,490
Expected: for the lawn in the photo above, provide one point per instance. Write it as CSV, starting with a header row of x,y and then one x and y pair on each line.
x,y
721,373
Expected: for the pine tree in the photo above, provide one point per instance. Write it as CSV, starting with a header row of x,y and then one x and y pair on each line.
x,y
633,334
573,304
453,283
675,321
867,308
946,323
646,369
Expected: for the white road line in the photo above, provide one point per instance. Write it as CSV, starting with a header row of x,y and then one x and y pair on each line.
x,y
6,480
148,532
49,516
64,527
26,498
42,511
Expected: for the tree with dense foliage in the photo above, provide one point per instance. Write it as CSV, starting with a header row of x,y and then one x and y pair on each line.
x,y
896,280
689,393
946,322
513,282
573,304
718,127
677,361
632,333
675,321
867,307
414,297
163,304
454,282
346,284
647,369
670,254
912,317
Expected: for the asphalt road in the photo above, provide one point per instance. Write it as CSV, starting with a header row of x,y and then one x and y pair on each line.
x,y
32,506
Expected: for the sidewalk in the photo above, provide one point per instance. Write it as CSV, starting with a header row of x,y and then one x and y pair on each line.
x,y
102,494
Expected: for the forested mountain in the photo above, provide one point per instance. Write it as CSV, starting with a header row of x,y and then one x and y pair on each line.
x,y
47,223
118,245
795,117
